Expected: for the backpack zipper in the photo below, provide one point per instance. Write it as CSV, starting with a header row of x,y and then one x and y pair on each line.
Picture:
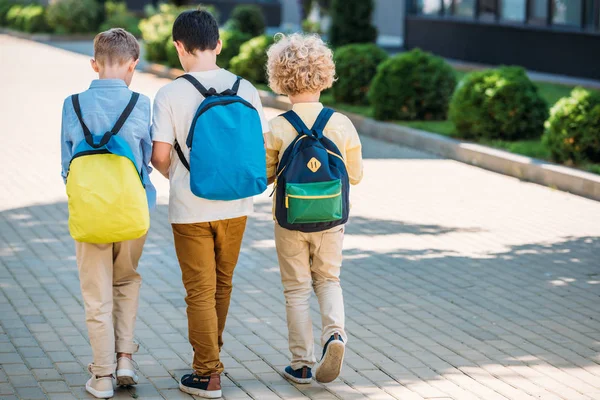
x,y
295,196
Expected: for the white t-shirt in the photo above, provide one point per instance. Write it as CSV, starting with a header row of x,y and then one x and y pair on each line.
x,y
174,108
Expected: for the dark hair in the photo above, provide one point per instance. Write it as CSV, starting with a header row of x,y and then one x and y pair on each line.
x,y
196,30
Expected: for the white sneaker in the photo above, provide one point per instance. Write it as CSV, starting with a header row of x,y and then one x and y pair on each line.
x,y
101,388
126,372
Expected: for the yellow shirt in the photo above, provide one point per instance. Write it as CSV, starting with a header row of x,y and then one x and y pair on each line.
x,y
339,129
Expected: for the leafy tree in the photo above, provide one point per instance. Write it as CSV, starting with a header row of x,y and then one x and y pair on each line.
x,y
351,22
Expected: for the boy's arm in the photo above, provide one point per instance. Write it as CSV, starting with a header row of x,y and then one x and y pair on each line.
x,y
354,162
146,143
273,145
163,136
270,142
66,145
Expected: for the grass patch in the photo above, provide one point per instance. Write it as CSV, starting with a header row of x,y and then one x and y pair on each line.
x,y
445,128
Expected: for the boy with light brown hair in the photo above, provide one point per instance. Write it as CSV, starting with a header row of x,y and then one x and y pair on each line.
x,y
110,283
301,67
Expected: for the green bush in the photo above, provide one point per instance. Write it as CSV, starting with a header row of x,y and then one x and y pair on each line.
x,y
5,6
232,41
118,16
73,16
13,17
412,86
156,31
251,61
500,103
573,129
356,65
171,52
248,19
351,22
33,19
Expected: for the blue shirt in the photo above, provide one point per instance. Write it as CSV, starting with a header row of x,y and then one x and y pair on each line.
x,y
101,106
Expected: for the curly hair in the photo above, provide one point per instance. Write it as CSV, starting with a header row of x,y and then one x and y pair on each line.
x,y
300,64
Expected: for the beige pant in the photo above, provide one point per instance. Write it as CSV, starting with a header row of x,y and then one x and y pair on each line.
x,y
311,261
110,286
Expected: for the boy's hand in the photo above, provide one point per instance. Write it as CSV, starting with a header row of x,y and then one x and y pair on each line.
x,y
161,157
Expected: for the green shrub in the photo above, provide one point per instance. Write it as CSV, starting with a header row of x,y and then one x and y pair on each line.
x,y
172,57
73,16
248,19
412,86
33,19
356,65
13,17
500,103
232,41
573,129
5,6
118,16
251,61
310,26
156,31
351,22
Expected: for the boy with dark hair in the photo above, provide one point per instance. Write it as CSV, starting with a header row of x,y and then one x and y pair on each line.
x,y
207,233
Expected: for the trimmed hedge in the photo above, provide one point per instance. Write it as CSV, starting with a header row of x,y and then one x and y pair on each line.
x,y
356,65
232,41
74,16
351,22
573,129
247,19
501,103
412,86
252,60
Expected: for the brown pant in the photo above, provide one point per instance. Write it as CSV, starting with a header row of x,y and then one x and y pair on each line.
x,y
110,286
208,253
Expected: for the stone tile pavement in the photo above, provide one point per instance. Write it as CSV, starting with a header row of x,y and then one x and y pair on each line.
x,y
459,283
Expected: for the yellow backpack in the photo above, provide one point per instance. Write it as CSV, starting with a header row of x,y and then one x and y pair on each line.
x,y
107,199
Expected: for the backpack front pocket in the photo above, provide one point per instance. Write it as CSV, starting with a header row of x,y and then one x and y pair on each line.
x,y
313,202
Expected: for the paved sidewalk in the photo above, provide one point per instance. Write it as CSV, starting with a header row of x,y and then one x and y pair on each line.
x,y
459,283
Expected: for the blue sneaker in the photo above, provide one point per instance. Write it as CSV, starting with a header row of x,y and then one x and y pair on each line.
x,y
208,387
333,357
300,375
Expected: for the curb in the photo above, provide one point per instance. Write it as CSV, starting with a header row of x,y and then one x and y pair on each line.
x,y
48,37
528,169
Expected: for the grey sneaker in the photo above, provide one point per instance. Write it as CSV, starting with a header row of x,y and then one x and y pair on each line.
x,y
100,387
127,372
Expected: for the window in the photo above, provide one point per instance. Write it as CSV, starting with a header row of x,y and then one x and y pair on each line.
x,y
428,7
447,7
538,11
464,8
567,12
488,9
513,10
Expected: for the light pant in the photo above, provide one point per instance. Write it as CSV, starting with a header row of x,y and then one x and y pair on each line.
x,y
110,286
311,261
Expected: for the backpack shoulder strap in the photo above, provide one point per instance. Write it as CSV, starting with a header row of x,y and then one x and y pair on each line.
x,y
200,87
322,121
118,125
236,85
126,113
181,156
295,120
86,131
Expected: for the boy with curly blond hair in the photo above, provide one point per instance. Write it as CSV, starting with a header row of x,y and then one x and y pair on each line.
x,y
301,67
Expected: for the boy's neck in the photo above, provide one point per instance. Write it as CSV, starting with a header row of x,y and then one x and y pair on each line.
x,y
113,73
201,63
305,98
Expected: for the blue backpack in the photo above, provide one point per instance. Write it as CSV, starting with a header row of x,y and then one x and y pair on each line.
x,y
312,181
227,151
